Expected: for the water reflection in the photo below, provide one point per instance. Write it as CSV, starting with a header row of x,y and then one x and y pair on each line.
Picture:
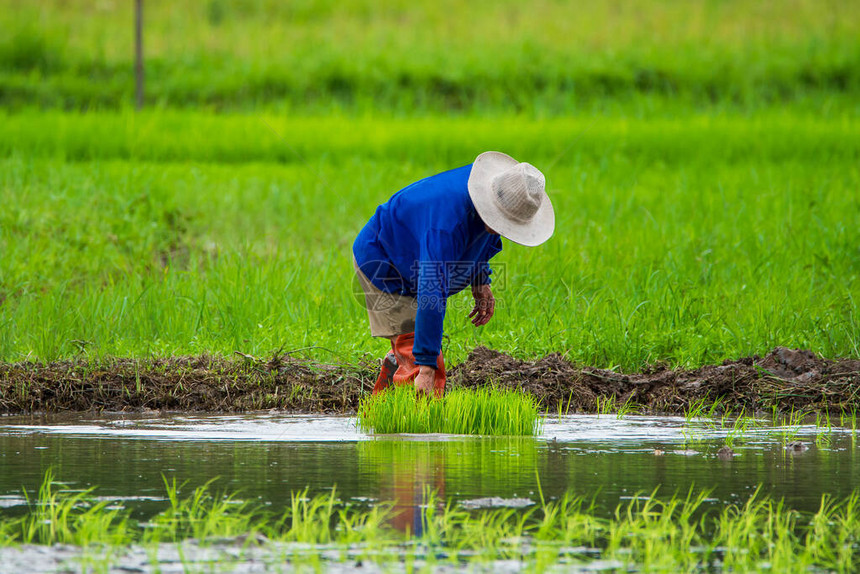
x,y
265,457
409,470
408,477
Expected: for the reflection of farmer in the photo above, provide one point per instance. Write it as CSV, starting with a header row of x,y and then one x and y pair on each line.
x,y
414,483
431,240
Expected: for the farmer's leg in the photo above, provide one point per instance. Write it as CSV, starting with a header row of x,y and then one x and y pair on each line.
x,y
407,370
390,316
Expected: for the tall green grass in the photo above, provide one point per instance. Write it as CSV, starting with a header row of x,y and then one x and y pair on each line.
x,y
484,411
686,240
544,57
677,533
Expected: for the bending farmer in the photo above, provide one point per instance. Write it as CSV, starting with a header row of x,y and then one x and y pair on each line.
x,y
431,240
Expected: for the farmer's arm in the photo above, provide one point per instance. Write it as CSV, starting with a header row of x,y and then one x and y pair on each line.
x,y
485,303
428,325
431,299
432,294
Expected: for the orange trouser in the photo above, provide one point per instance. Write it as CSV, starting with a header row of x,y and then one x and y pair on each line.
x,y
406,369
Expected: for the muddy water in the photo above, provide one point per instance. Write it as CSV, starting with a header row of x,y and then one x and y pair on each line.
x,y
266,456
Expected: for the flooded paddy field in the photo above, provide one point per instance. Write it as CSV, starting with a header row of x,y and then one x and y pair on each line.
x,y
264,459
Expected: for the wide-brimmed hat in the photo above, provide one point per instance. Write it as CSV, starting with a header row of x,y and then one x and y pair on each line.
x,y
511,198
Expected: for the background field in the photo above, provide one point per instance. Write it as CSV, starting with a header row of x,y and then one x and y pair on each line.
x,y
546,56
702,157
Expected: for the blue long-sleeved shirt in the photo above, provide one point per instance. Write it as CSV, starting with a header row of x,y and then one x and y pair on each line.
x,y
427,242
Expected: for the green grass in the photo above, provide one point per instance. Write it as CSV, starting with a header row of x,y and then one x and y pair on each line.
x,y
677,533
484,411
702,157
687,240
546,57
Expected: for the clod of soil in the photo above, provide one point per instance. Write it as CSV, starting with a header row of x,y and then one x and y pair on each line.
x,y
785,378
204,383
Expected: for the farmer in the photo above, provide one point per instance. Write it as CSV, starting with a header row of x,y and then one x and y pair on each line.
x,y
431,240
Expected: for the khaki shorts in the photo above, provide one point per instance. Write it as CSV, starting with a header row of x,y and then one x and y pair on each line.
x,y
390,314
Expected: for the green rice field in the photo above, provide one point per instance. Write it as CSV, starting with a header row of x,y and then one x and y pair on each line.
x,y
702,158
686,239
543,57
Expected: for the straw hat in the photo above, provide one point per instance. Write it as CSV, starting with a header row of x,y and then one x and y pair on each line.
x,y
511,199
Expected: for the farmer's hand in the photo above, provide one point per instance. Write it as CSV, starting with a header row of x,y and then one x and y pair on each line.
x,y
485,304
424,380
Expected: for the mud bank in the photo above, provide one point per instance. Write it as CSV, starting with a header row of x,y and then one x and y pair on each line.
x,y
788,379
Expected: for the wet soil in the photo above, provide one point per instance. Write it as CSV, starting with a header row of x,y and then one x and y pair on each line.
x,y
785,378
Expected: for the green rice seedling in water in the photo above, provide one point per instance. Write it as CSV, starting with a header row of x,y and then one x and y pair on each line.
x,y
848,420
59,516
728,414
822,421
643,528
202,515
648,533
308,519
604,405
823,440
483,411
740,425
628,408
791,425
569,402
695,410
563,409
716,405
824,435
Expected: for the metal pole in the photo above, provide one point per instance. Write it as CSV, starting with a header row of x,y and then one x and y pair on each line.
x,y
138,53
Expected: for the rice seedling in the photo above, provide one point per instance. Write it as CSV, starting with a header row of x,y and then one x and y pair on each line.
x,y
790,425
822,421
60,516
695,410
685,532
482,411
604,405
739,427
848,419
564,408
629,407
203,515
824,434
705,409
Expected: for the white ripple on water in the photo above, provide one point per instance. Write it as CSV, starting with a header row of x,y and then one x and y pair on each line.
x,y
598,431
